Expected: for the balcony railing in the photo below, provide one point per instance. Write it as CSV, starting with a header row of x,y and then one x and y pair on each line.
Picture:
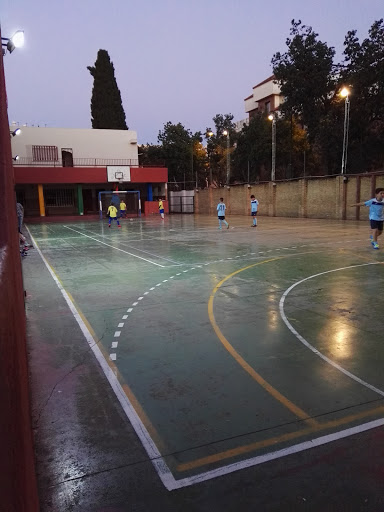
x,y
78,162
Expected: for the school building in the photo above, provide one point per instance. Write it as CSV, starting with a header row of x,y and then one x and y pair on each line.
x,y
60,171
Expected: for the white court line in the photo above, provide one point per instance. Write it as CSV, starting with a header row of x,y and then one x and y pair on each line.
x,y
155,255
311,347
159,464
113,247
254,461
54,238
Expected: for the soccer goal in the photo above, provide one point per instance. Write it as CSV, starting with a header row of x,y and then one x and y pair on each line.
x,y
130,197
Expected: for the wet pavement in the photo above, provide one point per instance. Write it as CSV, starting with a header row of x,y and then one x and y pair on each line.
x,y
189,322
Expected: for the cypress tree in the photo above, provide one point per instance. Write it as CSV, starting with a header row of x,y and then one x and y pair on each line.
x,y
106,106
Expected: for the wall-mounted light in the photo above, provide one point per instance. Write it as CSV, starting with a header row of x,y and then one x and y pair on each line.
x,y
16,132
15,158
16,41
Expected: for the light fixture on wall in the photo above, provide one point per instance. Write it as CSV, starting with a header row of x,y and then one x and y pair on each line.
x,y
15,158
10,43
15,132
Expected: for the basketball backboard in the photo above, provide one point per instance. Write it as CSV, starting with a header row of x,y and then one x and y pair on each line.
x,y
118,173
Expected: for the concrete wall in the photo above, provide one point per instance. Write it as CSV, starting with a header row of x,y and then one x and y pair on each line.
x,y
317,198
87,143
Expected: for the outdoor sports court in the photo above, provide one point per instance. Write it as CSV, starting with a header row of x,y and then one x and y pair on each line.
x,y
230,348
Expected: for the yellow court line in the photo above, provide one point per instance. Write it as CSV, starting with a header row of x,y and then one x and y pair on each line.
x,y
127,390
256,376
218,457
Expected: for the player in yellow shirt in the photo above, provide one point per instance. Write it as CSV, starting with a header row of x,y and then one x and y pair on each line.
x,y
161,208
123,209
112,214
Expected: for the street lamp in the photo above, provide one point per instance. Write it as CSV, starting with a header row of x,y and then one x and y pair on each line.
x,y
10,43
209,135
344,93
226,133
272,118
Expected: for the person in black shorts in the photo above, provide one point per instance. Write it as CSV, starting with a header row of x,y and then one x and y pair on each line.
x,y
221,213
376,215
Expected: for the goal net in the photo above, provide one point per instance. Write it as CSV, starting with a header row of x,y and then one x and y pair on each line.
x,y
130,197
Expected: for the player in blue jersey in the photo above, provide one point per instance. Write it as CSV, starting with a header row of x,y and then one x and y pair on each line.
x,y
376,215
221,213
254,208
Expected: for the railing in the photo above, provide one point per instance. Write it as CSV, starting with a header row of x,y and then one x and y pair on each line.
x,y
78,162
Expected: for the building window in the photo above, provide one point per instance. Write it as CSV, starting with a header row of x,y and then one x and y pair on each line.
x,y
45,154
267,107
59,197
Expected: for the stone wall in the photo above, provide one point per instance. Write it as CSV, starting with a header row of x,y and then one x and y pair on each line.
x,y
317,198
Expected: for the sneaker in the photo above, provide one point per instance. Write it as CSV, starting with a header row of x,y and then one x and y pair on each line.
x,y
375,245
109,225
218,228
227,226
119,226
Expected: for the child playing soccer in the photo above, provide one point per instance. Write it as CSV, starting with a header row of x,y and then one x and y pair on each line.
x,y
221,213
254,207
112,213
376,217
123,209
161,208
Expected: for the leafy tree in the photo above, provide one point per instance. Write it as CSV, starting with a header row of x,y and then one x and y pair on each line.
x,y
254,148
177,147
106,106
151,155
306,77
363,71
217,146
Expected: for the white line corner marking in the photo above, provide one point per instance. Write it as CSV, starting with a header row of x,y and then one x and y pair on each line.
x,y
311,347
158,462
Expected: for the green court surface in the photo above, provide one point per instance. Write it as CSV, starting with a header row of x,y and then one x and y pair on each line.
x,y
228,347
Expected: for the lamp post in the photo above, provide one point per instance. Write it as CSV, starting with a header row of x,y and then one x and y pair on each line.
x,y
209,135
272,118
226,133
344,93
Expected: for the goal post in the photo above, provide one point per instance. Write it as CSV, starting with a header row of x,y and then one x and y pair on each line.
x,y
130,197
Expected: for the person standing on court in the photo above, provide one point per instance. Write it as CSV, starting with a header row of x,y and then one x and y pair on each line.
x,y
161,208
376,215
254,208
112,214
123,209
221,213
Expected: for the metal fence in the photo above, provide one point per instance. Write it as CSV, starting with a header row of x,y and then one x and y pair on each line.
x,y
181,204
77,162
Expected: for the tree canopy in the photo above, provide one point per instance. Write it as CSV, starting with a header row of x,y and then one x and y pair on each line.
x,y
106,106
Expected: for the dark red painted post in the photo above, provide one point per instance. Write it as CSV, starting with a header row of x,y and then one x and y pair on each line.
x,y
17,472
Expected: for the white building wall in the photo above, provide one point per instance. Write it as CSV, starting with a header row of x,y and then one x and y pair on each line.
x,y
264,90
250,104
85,143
